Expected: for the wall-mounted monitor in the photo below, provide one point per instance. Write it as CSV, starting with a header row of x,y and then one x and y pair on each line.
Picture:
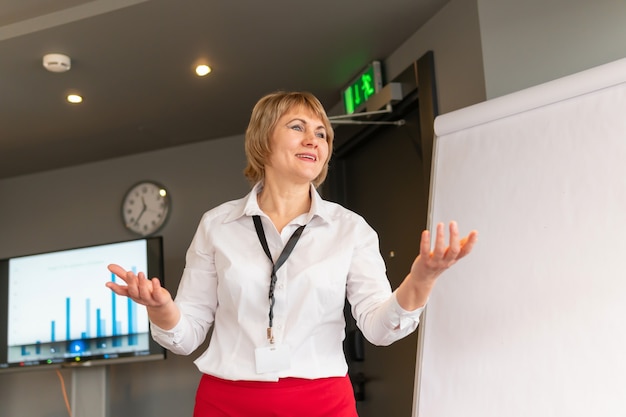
x,y
56,311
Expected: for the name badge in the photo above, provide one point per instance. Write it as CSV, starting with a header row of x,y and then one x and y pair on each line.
x,y
273,358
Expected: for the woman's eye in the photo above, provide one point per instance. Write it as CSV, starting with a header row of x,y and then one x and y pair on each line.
x,y
297,127
321,135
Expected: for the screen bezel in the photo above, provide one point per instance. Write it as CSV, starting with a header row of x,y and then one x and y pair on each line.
x,y
155,268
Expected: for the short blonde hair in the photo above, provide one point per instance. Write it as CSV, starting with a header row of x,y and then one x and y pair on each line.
x,y
263,120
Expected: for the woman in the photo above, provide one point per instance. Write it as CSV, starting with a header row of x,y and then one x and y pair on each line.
x,y
271,272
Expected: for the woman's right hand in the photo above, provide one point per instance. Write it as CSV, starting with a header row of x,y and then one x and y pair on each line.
x,y
159,303
138,288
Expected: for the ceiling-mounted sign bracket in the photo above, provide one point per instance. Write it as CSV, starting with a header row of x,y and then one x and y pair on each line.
x,y
383,99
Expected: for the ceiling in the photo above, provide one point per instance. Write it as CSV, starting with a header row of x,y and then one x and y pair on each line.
x,y
132,60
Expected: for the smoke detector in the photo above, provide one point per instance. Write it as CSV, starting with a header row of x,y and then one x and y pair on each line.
x,y
57,62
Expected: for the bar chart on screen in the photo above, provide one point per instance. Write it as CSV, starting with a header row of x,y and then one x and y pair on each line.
x,y
71,313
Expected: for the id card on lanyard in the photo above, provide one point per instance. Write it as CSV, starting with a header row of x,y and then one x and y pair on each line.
x,y
276,356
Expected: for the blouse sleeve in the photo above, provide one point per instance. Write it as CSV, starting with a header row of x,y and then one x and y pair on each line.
x,y
373,304
196,297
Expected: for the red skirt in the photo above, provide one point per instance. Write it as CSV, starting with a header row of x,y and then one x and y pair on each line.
x,y
286,398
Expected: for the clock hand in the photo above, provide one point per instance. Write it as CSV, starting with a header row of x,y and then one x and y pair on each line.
x,y
143,210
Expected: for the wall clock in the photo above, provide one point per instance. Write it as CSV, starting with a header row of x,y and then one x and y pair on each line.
x,y
145,207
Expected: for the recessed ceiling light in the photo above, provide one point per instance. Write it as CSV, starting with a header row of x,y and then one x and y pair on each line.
x,y
203,70
74,98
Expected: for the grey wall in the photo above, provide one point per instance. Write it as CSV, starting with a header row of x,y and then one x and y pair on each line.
x,y
530,42
454,37
81,206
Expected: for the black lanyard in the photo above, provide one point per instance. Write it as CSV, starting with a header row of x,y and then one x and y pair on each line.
x,y
291,243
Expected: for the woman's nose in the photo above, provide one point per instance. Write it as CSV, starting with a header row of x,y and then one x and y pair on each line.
x,y
310,139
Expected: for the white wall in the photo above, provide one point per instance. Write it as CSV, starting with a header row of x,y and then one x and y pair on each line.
x,y
529,42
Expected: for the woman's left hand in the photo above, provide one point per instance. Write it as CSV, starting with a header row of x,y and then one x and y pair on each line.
x,y
430,264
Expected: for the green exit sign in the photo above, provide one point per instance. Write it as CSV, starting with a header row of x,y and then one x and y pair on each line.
x,y
362,88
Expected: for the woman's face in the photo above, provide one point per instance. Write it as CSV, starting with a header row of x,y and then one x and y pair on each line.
x,y
299,147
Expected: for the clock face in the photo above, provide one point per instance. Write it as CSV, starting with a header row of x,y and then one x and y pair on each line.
x,y
145,207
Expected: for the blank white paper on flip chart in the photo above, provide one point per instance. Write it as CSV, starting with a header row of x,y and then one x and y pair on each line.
x,y
533,322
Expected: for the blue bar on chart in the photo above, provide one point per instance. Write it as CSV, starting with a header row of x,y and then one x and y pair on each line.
x,y
117,330
99,323
67,319
132,318
88,318
115,323
132,322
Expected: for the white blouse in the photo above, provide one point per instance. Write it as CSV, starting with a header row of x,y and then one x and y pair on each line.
x,y
226,280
